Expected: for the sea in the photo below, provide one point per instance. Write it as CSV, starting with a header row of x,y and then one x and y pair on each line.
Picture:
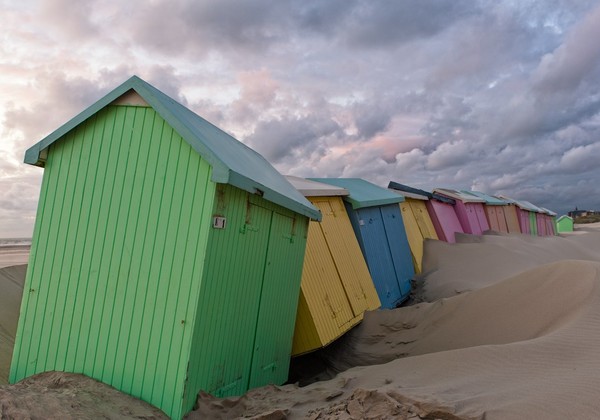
x,y
9,242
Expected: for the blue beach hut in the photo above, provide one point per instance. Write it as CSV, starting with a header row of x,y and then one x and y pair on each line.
x,y
377,223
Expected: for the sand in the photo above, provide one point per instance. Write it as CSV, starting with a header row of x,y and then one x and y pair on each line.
x,y
505,327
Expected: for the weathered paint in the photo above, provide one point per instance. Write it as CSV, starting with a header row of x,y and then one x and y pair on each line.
x,y
85,309
494,211
253,268
564,224
128,280
512,218
469,210
336,286
417,221
444,219
377,222
413,234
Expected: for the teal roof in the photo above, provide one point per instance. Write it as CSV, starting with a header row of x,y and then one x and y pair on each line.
x,y
489,200
363,193
532,207
550,212
232,162
525,205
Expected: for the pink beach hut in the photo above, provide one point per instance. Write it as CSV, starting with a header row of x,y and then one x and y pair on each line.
x,y
469,209
538,219
494,211
443,215
550,219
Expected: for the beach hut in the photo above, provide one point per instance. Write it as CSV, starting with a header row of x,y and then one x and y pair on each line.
x,y
378,226
511,215
494,211
523,215
537,227
550,219
336,288
564,224
417,222
469,209
166,256
443,216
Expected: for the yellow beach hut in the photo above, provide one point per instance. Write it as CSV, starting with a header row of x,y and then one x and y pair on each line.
x,y
336,287
417,221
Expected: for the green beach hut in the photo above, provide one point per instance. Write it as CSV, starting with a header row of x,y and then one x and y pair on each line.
x,y
564,224
166,256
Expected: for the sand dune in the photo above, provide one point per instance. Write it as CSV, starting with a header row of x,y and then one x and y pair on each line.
x,y
509,328
512,332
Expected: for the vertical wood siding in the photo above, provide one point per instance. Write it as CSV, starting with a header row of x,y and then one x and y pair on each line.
x,y
385,247
413,233
512,218
418,227
419,209
532,224
248,300
445,220
124,217
336,286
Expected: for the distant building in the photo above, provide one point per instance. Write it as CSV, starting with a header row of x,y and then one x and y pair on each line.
x,y
582,213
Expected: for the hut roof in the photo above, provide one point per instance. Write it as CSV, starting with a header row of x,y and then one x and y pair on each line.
x,y
419,194
564,216
409,192
550,212
459,195
525,205
363,193
310,188
232,162
489,200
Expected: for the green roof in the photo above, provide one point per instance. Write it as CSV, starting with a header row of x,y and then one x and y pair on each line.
x,y
232,161
363,193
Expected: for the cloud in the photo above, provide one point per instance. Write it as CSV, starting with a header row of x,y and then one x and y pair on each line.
x,y
574,61
291,135
502,96
581,159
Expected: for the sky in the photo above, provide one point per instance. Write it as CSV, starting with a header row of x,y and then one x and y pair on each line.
x,y
500,97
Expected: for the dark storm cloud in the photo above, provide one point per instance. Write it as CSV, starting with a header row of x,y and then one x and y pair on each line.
x,y
258,25
379,23
278,138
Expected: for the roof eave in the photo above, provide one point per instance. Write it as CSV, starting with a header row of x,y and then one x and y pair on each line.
x,y
301,206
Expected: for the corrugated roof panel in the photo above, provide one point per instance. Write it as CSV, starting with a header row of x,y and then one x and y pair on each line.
x,y
363,193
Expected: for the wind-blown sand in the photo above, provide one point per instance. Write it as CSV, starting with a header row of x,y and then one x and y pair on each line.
x,y
508,327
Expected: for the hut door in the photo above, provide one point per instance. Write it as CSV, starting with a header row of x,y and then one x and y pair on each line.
x,y
415,237
378,255
342,244
483,223
395,234
278,302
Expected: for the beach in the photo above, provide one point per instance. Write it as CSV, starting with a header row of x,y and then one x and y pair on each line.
x,y
499,327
